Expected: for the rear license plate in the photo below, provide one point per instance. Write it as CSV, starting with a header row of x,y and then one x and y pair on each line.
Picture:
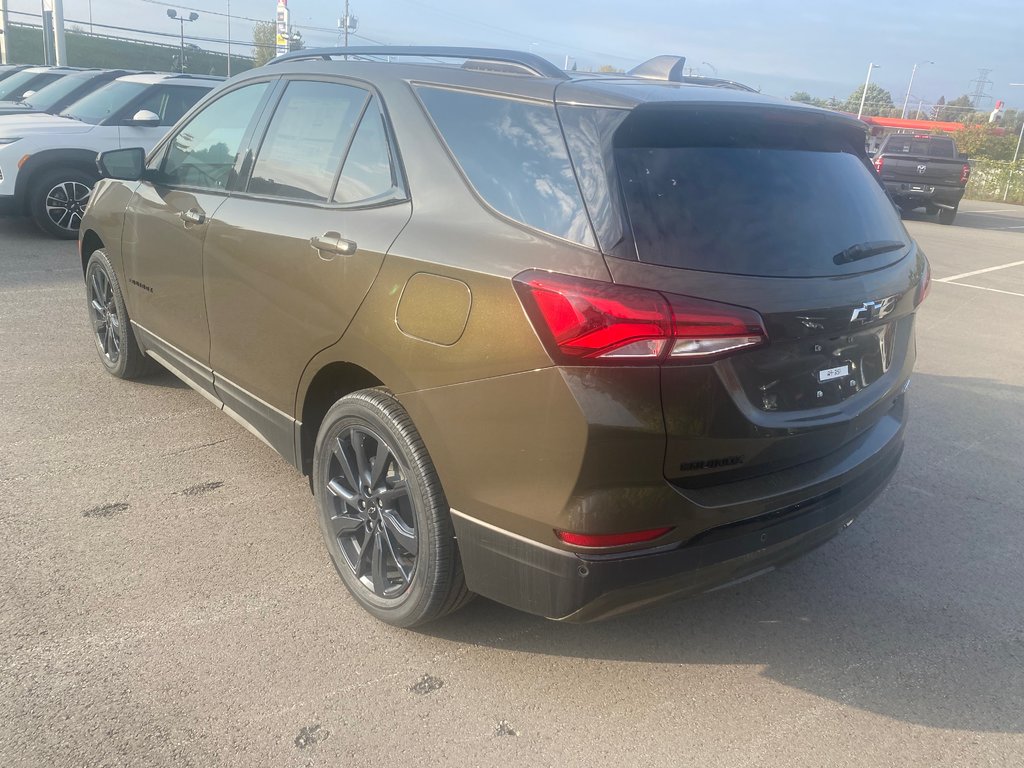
x,y
834,373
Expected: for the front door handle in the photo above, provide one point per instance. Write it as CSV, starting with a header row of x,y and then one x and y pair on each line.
x,y
193,216
332,242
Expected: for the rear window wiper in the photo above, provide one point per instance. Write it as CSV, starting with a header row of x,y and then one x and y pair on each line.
x,y
866,250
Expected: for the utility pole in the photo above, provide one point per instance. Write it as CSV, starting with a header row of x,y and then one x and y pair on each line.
x,y
229,37
59,46
3,33
864,96
345,22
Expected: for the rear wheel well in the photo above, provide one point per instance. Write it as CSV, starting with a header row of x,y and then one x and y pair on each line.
x,y
90,244
331,383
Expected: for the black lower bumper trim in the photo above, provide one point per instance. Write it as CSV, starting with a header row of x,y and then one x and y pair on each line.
x,y
562,585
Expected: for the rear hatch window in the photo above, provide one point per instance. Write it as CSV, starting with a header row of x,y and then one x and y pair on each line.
x,y
920,146
753,193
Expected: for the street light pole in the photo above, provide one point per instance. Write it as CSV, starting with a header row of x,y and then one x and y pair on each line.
x,y
1016,154
181,19
913,72
229,38
864,96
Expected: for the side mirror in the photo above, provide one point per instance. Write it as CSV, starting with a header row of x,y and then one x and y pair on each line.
x,y
963,156
123,164
144,119
26,95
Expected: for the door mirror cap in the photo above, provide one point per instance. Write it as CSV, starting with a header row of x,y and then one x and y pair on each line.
x,y
144,119
123,164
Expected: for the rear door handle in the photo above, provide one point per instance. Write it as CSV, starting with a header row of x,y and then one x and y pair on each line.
x,y
193,216
332,242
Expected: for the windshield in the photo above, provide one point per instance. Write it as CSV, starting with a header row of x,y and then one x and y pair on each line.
x,y
102,103
46,98
15,86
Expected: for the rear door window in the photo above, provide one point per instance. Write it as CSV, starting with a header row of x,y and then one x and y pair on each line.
x,y
513,154
368,172
754,197
306,140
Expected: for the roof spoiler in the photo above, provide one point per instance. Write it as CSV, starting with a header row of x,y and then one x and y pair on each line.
x,y
661,68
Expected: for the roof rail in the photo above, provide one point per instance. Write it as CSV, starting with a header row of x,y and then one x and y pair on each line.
x,y
186,76
660,68
530,62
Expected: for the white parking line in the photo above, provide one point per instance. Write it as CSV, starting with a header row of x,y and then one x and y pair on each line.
x,y
978,272
1016,227
984,288
993,210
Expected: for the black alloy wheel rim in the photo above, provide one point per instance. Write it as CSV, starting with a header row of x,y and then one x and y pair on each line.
x,y
105,319
370,512
66,202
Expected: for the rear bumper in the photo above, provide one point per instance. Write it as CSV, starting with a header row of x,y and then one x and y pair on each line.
x,y
925,194
558,584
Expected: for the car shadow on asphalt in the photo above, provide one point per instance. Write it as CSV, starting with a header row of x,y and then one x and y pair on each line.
x,y
967,219
915,613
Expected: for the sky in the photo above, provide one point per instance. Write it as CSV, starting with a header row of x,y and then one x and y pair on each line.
x,y
780,46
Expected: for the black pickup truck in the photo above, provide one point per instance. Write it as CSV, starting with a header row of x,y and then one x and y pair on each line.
x,y
923,171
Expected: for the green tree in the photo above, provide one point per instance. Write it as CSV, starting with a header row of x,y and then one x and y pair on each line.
x,y
878,101
979,141
802,96
608,68
264,42
957,110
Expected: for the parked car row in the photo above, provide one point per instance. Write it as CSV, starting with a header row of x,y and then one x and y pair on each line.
x,y
54,122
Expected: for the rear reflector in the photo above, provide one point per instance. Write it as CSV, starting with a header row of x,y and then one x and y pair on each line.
x,y
587,322
879,164
965,173
610,539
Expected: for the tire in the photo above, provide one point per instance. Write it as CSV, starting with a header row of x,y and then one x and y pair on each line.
x,y
391,539
946,216
115,341
57,200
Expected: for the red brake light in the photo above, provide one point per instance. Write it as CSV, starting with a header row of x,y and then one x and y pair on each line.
x,y
965,173
589,322
610,539
925,285
879,162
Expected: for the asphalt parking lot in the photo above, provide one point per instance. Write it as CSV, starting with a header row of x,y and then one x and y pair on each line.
x,y
166,600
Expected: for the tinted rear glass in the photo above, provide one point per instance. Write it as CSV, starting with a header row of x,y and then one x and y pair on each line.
x,y
778,202
924,147
514,155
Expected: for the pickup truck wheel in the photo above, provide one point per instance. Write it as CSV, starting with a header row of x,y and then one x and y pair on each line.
x,y
57,201
115,341
383,514
947,215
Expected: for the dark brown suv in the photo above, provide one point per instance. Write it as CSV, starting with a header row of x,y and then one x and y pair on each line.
x,y
571,342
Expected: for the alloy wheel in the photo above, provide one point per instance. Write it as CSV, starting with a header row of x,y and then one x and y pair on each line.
x,y
105,320
66,202
370,512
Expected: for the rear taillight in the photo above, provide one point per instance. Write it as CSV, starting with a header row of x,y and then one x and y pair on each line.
x,y
586,322
610,539
879,163
925,285
965,173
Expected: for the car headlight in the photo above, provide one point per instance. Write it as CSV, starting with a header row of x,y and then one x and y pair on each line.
x,y
4,141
